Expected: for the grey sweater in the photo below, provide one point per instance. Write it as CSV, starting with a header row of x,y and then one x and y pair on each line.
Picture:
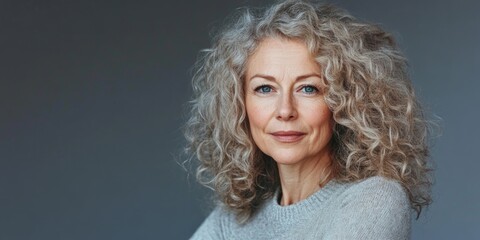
x,y
375,208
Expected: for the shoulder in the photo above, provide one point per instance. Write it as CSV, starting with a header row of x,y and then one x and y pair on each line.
x,y
376,194
374,208
214,226
376,188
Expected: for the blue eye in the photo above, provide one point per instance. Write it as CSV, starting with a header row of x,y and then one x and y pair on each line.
x,y
264,89
309,89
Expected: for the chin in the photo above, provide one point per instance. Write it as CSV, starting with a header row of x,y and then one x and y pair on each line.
x,y
286,158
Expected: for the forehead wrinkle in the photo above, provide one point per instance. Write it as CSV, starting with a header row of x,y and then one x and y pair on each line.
x,y
297,79
267,68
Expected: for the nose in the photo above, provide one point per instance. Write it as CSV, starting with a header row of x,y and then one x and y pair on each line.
x,y
286,109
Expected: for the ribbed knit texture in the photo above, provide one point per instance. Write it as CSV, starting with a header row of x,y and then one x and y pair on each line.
x,y
375,208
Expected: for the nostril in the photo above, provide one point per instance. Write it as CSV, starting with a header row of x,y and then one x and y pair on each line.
x,y
287,114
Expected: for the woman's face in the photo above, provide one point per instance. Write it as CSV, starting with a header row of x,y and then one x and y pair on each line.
x,y
289,119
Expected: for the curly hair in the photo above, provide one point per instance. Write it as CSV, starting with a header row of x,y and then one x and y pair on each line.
x,y
380,127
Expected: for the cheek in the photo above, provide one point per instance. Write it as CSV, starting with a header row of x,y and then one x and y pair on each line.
x,y
257,117
321,118
257,112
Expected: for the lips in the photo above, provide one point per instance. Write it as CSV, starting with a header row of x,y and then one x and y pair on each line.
x,y
288,136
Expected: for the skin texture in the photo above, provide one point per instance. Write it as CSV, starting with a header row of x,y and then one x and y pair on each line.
x,y
289,119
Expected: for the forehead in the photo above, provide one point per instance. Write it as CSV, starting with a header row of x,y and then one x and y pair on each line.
x,y
277,55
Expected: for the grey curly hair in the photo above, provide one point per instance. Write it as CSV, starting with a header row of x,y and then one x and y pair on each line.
x,y
380,127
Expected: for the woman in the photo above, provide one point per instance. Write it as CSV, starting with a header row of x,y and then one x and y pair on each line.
x,y
306,126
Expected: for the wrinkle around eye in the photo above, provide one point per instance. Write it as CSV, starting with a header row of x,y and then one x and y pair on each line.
x,y
315,90
264,89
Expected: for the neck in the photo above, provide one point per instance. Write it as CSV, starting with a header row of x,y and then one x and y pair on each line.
x,y
301,180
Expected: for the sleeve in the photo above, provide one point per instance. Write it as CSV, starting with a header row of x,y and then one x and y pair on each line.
x,y
211,228
375,209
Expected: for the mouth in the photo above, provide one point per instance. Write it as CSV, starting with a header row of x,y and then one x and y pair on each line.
x,y
288,136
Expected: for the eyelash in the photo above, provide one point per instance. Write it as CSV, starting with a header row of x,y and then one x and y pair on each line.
x,y
259,89
315,89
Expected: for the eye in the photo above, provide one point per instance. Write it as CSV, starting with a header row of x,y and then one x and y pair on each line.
x,y
309,89
263,89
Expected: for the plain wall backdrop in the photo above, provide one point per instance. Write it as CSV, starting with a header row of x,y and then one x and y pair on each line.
x,y
93,97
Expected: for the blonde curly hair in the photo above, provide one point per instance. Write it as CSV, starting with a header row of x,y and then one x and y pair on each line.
x,y
380,127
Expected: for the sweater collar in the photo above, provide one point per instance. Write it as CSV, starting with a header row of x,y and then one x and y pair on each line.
x,y
304,207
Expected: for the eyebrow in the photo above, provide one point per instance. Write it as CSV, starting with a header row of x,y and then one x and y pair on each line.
x,y
271,78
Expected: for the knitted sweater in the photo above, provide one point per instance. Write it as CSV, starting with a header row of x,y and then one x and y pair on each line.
x,y
375,208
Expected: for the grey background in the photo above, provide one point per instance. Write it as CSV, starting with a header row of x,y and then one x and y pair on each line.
x,y
92,99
